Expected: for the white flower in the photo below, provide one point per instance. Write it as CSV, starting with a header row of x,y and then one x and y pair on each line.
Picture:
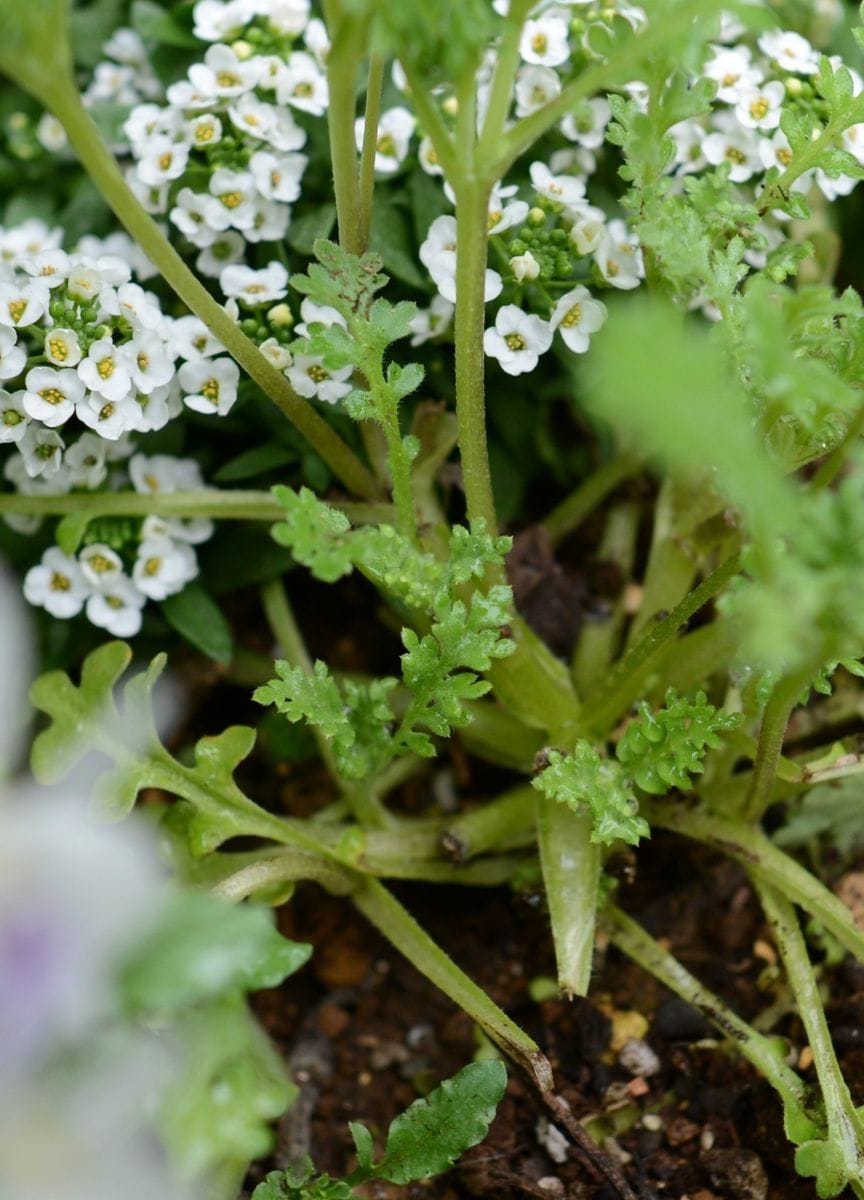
x,y
197,216
253,116
525,266
13,418
226,248
147,121
162,160
438,255
210,386
85,461
735,145
109,418
790,51
563,189
576,316
158,407
50,133
288,17
587,125
163,567
252,287
192,339
116,607
732,71
51,266
427,157
100,565
303,84
619,258
104,371
222,74
193,531
27,239
205,130
760,107
276,353
310,378
57,584
394,138
42,454
517,340
160,473
139,308
84,284
22,304
236,192
588,228
688,137
504,212
146,358
430,322
52,395
13,358
62,347
217,21
544,42
277,176
535,86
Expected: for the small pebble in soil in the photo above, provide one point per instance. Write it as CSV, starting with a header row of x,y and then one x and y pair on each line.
x,y
552,1140
552,1185
652,1122
739,1174
638,1058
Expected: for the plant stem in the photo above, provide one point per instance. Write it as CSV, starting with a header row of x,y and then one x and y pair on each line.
x,y
571,877
400,928
845,1128
783,699
501,90
506,821
613,698
100,165
573,509
366,184
757,1049
343,68
289,866
600,640
749,846
433,124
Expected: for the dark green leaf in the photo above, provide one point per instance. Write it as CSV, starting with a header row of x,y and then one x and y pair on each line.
x,y
198,618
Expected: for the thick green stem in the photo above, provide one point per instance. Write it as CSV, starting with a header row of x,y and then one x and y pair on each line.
x,y
749,846
573,509
614,697
783,699
370,144
630,937
343,69
845,1128
289,866
472,206
501,91
99,163
502,823
571,877
433,123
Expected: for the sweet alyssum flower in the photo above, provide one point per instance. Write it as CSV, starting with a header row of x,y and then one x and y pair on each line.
x,y
210,386
517,339
395,130
57,584
576,316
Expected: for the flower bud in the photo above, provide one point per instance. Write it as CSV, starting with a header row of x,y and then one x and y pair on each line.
x,y
280,316
525,266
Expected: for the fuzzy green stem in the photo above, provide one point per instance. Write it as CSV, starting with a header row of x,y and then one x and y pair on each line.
x,y
630,937
400,928
845,1128
501,90
289,866
433,123
573,509
99,163
370,143
570,862
504,822
614,697
749,846
783,699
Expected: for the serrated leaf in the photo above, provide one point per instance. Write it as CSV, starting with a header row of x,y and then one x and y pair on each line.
x,y
199,619
430,1135
662,750
584,781
204,948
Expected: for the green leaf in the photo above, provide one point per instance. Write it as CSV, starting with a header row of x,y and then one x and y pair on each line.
x,y
70,531
430,1135
300,1182
154,24
390,236
364,1145
198,618
824,1161
307,228
256,461
583,780
315,534
830,810
204,948
91,27
662,750
231,1087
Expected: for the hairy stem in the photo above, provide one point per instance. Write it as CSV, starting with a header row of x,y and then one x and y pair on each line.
x,y
571,877
366,181
343,69
783,699
99,163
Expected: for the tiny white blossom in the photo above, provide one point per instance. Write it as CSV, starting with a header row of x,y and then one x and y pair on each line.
x,y
104,371
732,71
146,358
394,138
733,144
619,258
163,567
253,287
197,216
156,474
22,304
427,157
85,461
576,316
222,74
51,266
524,266
517,340
226,248
210,386
303,84
535,86
205,130
277,176
310,378
100,565
193,340
116,607
236,192
50,133
429,322
13,418
544,42
13,358
563,189
109,418
761,107
161,161
790,51
51,395
688,136
42,454
588,228
587,125
217,21
56,584
62,348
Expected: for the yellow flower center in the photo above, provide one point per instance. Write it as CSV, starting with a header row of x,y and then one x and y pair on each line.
x,y
152,482
231,199
539,42
210,390
11,417
114,602
304,89
60,583
58,349
17,309
784,156
228,79
52,395
143,361
759,108
735,155
572,317
729,79
106,411
165,161
152,566
317,374
386,145
100,563
515,341
105,367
